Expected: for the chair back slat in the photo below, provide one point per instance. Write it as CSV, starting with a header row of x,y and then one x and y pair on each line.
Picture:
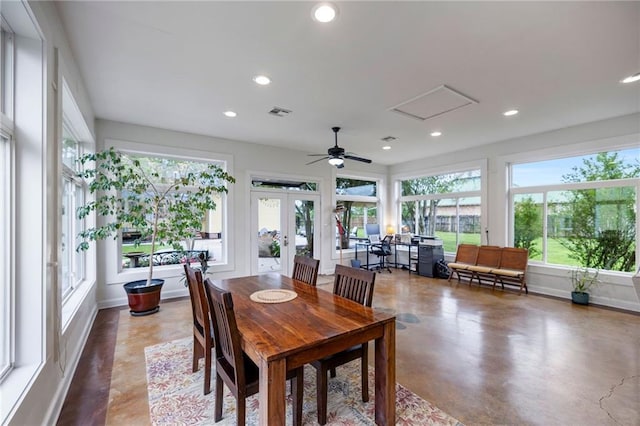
x,y
225,332
354,284
305,269
467,253
489,256
514,258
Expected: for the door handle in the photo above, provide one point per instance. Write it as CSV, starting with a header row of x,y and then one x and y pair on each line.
x,y
286,241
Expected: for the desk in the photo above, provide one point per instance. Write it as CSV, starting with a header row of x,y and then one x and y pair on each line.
x,y
395,245
283,336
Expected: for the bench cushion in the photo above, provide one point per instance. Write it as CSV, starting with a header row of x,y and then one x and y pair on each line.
x,y
508,272
458,265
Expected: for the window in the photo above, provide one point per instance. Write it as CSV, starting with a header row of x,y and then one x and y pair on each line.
x,y
5,290
578,211
447,206
357,202
6,133
72,262
208,239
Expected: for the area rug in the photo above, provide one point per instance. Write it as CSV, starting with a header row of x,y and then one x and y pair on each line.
x,y
176,398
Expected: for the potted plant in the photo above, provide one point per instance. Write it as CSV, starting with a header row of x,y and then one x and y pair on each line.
x,y
131,193
583,279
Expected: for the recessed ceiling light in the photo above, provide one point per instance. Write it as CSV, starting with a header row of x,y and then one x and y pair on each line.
x,y
632,78
510,112
324,12
436,134
386,147
262,80
230,114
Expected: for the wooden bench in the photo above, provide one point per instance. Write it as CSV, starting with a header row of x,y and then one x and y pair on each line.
x,y
506,265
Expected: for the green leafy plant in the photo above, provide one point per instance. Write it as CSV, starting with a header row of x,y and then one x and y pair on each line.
x,y
583,279
204,267
131,193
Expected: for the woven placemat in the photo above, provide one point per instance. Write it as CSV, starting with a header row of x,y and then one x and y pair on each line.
x,y
273,296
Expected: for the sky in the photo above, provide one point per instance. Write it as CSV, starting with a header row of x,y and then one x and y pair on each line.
x,y
551,172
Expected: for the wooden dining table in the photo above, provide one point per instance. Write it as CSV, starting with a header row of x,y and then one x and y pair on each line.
x,y
283,336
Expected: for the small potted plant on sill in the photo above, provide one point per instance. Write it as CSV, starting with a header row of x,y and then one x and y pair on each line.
x,y
165,210
582,280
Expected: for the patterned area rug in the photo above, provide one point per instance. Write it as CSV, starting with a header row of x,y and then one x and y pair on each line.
x,y
176,398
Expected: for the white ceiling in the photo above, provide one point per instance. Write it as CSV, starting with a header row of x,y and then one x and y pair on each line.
x,y
180,65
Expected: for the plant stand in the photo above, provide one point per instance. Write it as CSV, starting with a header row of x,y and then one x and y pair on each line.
x,y
143,299
580,298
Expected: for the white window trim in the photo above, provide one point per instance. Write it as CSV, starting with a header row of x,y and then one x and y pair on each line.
x,y
114,274
7,273
379,199
616,143
482,165
74,121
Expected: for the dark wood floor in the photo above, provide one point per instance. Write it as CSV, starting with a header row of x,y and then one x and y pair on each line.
x,y
484,356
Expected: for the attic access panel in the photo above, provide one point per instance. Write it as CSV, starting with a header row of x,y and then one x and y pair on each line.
x,y
435,102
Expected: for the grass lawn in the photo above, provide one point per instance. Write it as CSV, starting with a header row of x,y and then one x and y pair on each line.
x,y
144,248
556,253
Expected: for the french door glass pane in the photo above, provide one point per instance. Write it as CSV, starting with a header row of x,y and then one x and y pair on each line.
x,y
304,214
269,232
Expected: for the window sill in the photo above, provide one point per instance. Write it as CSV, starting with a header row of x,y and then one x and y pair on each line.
x,y
71,305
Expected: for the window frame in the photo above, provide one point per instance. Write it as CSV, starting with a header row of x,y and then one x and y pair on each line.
x,y
7,315
544,190
114,273
480,165
378,199
7,183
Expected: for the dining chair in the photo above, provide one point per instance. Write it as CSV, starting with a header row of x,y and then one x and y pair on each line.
x,y
233,367
202,331
357,285
305,269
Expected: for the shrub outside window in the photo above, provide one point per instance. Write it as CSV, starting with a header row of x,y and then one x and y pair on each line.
x,y
578,211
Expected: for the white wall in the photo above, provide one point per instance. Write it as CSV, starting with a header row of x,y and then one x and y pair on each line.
x,y
57,351
246,160
617,289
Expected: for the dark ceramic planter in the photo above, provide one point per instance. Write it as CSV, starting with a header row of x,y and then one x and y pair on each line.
x,y
143,299
580,298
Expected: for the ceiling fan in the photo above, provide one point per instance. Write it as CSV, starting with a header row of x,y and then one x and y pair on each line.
x,y
336,155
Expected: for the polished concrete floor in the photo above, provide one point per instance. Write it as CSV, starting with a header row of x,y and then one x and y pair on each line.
x,y
484,356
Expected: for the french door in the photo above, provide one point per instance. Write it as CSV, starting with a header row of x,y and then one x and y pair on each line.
x,y
283,225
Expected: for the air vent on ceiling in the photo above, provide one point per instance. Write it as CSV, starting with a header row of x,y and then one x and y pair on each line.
x,y
389,139
435,102
280,112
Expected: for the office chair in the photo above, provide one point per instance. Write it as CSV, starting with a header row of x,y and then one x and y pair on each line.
x,y
382,249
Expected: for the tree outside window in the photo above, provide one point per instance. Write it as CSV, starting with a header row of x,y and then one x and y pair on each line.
x,y
359,202
590,211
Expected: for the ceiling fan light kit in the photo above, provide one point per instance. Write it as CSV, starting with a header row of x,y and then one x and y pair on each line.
x,y
336,155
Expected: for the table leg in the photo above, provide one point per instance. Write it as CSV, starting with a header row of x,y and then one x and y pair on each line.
x,y
273,377
385,353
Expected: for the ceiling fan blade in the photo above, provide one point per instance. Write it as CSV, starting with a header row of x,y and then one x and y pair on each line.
x,y
319,159
353,157
316,155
